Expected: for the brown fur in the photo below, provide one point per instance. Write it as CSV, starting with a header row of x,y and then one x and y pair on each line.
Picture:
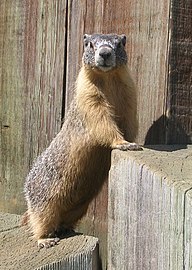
x,y
71,171
110,98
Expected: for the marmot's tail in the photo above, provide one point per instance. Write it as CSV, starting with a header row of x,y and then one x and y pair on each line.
x,y
24,219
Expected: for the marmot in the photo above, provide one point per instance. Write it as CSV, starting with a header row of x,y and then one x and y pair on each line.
x,y
102,116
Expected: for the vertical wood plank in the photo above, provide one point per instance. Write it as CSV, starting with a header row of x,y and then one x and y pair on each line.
x,y
148,30
187,231
32,67
180,73
146,26
80,21
12,27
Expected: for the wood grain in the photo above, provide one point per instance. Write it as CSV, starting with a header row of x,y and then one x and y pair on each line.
x,y
72,253
41,48
146,25
32,66
146,50
180,73
11,109
187,229
150,210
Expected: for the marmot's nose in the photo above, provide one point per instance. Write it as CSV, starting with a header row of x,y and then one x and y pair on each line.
x,y
105,53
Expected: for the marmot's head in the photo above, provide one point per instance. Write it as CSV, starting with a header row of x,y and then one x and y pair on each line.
x,y
104,52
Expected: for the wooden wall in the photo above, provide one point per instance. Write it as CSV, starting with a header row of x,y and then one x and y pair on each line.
x,y
32,45
146,25
180,73
41,49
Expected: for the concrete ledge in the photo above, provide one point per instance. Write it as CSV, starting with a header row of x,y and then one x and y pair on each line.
x,y
150,209
19,251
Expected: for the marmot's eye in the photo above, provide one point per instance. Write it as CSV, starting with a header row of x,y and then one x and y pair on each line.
x,y
119,45
88,44
91,45
123,38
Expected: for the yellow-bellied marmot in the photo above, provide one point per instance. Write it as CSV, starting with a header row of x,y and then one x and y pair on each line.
x,y
70,172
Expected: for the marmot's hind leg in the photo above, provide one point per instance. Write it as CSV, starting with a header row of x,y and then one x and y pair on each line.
x,y
44,229
49,225
71,217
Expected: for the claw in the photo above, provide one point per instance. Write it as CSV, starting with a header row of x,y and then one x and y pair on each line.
x,y
48,242
128,146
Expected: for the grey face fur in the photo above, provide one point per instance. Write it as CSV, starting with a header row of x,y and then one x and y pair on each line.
x,y
104,52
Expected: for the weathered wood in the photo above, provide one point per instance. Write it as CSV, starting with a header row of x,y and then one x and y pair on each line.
x,y
8,221
32,36
95,222
150,209
187,229
180,73
33,53
146,26
19,250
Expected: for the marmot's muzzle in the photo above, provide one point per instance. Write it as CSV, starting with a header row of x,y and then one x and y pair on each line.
x,y
105,58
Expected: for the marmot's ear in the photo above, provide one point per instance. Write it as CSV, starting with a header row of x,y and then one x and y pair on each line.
x,y
86,40
85,36
123,39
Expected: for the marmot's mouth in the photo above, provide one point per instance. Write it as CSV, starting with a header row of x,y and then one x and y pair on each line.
x,y
104,66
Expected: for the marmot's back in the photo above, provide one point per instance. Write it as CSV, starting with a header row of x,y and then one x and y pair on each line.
x,y
70,172
62,169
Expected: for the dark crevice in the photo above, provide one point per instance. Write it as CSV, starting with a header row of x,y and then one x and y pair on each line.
x,y
65,66
167,76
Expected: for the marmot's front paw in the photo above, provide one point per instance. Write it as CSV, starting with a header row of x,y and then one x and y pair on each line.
x,y
48,242
124,146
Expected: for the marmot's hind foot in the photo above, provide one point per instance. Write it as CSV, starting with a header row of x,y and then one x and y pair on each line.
x,y
48,242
